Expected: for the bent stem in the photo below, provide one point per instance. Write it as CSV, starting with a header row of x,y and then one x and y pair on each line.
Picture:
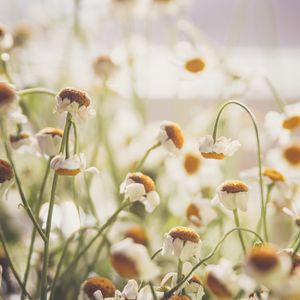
x,y
142,161
237,223
27,92
280,102
152,290
179,270
259,154
156,253
210,255
297,248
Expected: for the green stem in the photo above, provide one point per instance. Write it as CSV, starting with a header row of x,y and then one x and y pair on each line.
x,y
142,161
210,255
152,290
294,241
18,182
156,253
37,90
4,59
75,137
11,264
259,153
280,102
237,223
296,249
179,270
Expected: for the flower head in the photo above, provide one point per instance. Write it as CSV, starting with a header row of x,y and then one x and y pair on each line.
x,y
49,140
140,187
137,234
171,137
8,96
182,242
6,177
70,166
21,139
292,154
195,65
218,149
97,288
131,260
104,67
76,102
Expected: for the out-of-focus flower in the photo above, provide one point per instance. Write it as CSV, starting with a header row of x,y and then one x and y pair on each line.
x,y
104,67
123,8
21,139
293,212
233,194
267,266
21,34
140,187
171,137
8,97
284,125
182,242
6,40
76,102
6,177
70,166
131,260
218,149
49,140
137,234
98,288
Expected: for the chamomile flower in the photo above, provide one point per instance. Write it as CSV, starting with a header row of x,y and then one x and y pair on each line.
x,y
8,97
70,166
182,242
49,140
21,139
104,67
171,137
293,212
137,234
140,187
232,195
218,149
6,177
96,288
131,260
76,102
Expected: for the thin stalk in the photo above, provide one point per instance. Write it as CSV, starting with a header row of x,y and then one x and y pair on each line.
x,y
75,137
142,161
259,153
11,264
152,291
294,241
156,253
210,255
37,90
297,248
237,223
179,270
280,102
4,59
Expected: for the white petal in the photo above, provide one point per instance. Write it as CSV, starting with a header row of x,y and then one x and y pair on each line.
x,y
177,246
131,290
167,247
151,201
135,191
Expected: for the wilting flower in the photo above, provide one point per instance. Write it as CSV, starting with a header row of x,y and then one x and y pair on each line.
x,y
131,260
21,139
218,149
6,40
49,140
233,194
182,242
137,234
104,67
171,137
267,266
70,166
140,187
97,288
76,102
6,177
8,97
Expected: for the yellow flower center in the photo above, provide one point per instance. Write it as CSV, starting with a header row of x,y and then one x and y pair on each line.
x,y
106,286
291,123
143,179
217,287
6,171
292,154
193,214
13,138
234,186
52,131
263,258
175,133
138,234
185,234
195,65
124,265
179,297
75,95
67,172
213,155
191,163
273,174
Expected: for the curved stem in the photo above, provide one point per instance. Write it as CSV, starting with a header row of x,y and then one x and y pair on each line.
x,y
156,253
142,161
296,249
37,90
280,102
259,153
152,291
237,223
210,255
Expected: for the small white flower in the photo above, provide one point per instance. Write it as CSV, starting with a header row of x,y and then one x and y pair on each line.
x,y
132,260
171,137
71,166
76,102
218,149
104,67
182,242
21,139
49,140
140,187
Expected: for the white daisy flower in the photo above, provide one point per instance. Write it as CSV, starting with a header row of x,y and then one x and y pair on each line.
x,y
71,166
140,187
171,137
97,288
182,242
49,140
131,260
219,149
21,139
232,195
76,102
6,177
